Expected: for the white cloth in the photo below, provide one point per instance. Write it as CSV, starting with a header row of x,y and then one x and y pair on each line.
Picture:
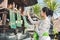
x,y
43,27
45,38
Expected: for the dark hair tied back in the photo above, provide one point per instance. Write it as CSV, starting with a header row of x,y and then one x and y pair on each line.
x,y
48,11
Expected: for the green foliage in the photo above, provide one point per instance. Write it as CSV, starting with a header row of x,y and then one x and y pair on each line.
x,y
37,9
55,31
52,4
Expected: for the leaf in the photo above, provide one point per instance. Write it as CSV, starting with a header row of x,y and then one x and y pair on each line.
x,y
36,9
52,4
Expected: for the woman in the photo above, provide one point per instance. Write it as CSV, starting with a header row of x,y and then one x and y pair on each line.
x,y
44,25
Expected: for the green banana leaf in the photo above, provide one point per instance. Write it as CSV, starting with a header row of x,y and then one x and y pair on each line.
x,y
35,36
18,20
25,22
12,19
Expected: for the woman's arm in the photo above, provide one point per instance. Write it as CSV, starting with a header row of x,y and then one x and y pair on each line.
x,y
33,22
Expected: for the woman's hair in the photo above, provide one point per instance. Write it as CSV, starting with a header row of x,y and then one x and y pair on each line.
x,y
48,11
1,1
10,2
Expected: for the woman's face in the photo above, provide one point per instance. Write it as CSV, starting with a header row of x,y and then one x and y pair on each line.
x,y
42,13
10,6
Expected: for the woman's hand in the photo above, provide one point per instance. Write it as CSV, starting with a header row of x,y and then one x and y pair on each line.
x,y
28,15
